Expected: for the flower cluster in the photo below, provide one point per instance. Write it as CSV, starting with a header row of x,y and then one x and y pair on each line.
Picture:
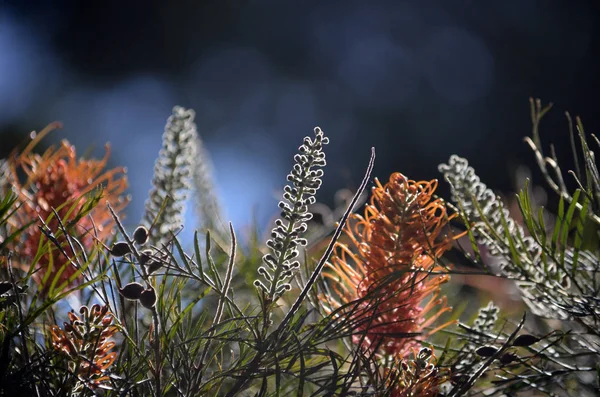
x,y
57,180
520,256
478,201
383,274
479,335
305,179
208,207
173,174
85,344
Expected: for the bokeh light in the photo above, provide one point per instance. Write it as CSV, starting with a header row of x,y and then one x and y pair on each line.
x,y
417,81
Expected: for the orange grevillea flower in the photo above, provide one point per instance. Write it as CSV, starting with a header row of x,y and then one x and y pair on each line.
x,y
84,344
385,266
58,180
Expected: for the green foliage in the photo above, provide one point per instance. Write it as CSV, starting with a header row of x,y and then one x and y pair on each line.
x,y
554,265
25,314
190,321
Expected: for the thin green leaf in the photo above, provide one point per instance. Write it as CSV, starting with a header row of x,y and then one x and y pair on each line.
x,y
558,224
567,225
198,256
302,375
214,272
579,234
185,312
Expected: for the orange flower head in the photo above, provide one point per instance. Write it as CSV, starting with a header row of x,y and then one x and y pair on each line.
x,y
385,266
58,180
84,344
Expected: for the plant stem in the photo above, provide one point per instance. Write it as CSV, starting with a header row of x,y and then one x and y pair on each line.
x,y
155,318
245,377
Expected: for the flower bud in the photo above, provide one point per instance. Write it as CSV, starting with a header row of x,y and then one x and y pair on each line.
x,y
120,249
140,235
145,257
153,266
5,286
525,340
148,298
508,358
132,291
486,351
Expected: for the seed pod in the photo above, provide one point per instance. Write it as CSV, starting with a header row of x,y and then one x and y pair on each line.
x,y
5,286
153,266
132,291
145,257
120,249
148,298
486,351
525,340
140,235
508,358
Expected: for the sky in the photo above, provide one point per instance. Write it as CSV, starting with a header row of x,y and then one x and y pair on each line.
x,y
418,80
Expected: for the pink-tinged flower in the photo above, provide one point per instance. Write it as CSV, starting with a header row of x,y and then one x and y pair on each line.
x,y
58,180
385,267
85,345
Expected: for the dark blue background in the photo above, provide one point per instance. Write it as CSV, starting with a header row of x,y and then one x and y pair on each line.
x,y
419,80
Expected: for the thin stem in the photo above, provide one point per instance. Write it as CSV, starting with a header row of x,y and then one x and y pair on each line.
x,y
336,235
254,365
155,318
222,299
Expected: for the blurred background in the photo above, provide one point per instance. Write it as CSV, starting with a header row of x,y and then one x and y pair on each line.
x,y
419,80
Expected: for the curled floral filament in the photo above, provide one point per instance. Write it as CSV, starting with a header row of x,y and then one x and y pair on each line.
x,y
382,270
58,180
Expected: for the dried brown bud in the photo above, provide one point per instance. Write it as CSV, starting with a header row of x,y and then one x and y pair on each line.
x,y
486,351
525,340
120,249
153,266
140,235
508,358
148,298
145,257
5,286
132,291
